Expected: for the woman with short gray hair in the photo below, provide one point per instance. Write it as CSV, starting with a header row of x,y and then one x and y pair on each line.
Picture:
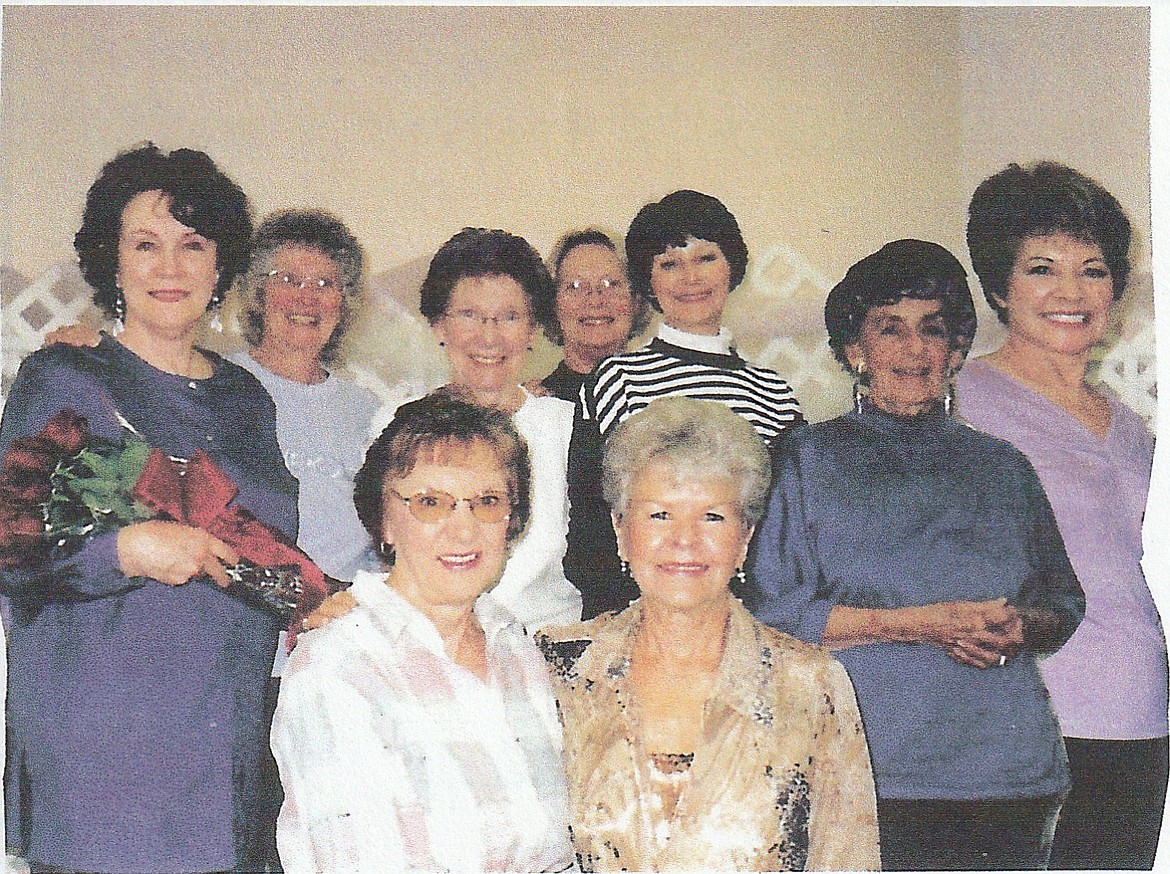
x,y
325,235
302,292
695,737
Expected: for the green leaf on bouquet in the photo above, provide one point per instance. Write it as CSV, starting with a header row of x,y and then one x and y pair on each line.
x,y
102,468
131,461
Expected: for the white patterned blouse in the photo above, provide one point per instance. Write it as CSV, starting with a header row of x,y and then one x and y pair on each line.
x,y
394,758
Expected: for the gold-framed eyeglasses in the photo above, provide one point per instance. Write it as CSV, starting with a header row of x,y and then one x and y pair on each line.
x,y
322,284
435,506
601,287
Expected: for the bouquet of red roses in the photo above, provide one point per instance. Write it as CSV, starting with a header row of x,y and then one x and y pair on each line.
x,y
65,485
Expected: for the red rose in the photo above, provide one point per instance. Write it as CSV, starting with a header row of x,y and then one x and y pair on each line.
x,y
66,432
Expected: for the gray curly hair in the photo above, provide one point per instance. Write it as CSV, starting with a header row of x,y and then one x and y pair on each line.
x,y
696,438
316,229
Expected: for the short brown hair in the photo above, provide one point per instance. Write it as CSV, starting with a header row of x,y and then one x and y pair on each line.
x,y
439,421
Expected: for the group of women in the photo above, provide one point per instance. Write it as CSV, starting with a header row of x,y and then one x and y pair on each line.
x,y
941,626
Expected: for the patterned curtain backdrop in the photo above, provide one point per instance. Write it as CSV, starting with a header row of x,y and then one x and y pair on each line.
x,y
776,316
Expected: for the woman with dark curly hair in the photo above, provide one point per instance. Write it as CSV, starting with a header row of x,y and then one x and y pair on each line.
x,y
596,312
686,255
136,684
1051,248
924,554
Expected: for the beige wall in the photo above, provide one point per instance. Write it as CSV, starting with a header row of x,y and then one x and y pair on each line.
x,y
829,130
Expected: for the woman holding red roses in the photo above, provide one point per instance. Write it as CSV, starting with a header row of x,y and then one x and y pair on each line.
x,y
136,682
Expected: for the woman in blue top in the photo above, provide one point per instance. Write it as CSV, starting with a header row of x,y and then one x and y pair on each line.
x,y
135,693
925,555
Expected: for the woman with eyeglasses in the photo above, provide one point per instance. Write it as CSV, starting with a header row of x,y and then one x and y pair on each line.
x,y
596,313
302,293
484,294
419,731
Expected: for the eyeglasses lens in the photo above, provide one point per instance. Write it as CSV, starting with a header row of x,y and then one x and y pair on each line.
x,y
437,506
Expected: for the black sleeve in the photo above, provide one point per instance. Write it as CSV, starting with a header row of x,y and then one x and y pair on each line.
x,y
591,561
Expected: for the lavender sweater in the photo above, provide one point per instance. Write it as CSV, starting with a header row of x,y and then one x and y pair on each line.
x,y
135,708
1109,681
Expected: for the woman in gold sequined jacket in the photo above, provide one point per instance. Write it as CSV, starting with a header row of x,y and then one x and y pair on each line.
x,y
695,737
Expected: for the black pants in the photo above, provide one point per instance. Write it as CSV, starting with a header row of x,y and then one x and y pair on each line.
x,y
1113,813
1011,834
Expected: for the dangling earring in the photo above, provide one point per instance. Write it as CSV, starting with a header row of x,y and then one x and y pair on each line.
x,y
740,576
216,323
119,312
386,552
625,569
949,398
859,385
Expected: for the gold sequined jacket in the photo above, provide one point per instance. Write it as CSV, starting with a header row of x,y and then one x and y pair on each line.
x,y
780,780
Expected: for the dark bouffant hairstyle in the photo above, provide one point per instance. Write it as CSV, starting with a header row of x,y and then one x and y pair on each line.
x,y
1046,198
640,313
201,197
443,423
667,224
477,252
904,268
315,229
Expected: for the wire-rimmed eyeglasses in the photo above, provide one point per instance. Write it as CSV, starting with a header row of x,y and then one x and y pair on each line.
x,y
435,506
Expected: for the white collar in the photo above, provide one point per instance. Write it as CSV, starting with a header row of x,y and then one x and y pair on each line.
x,y
370,590
720,344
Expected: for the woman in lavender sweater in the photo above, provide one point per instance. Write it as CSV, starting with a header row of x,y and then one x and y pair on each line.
x,y
1050,247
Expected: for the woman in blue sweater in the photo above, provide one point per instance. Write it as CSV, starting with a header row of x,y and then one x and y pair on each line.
x,y
135,696
925,555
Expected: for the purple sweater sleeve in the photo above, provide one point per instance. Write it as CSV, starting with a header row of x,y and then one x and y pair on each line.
x,y
44,387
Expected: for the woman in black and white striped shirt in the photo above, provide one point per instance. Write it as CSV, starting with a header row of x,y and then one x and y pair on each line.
x,y
686,254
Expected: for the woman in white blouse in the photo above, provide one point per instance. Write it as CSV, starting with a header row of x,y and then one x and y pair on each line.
x,y
484,295
418,732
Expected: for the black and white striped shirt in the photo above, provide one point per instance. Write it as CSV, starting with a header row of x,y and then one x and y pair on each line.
x,y
625,384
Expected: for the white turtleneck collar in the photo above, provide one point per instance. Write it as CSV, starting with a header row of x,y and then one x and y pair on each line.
x,y
720,344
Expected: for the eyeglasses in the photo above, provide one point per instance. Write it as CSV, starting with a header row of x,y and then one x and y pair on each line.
x,y
316,283
601,287
435,506
469,320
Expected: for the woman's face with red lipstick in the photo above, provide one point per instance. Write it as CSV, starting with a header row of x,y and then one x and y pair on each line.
x,y
166,270
683,536
1059,294
451,561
